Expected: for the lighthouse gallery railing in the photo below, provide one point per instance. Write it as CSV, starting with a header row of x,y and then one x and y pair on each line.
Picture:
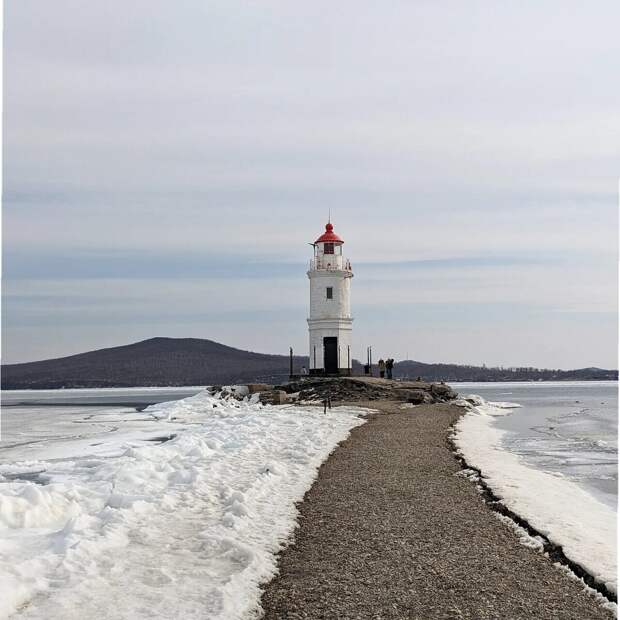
x,y
335,263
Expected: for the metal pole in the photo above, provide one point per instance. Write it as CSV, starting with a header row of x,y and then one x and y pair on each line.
x,y
314,348
291,362
370,348
349,358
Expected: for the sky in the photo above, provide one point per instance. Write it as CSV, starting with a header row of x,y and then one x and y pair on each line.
x,y
167,163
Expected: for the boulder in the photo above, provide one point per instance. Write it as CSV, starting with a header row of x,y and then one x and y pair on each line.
x,y
273,397
443,392
253,388
416,397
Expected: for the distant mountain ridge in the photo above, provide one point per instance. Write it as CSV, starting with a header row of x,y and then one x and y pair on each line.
x,y
194,361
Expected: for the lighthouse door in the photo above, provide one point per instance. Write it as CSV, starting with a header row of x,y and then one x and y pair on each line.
x,y
330,349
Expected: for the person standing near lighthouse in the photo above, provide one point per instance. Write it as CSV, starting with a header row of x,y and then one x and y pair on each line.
x,y
330,321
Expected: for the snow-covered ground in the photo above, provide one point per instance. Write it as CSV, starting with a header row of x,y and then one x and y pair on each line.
x,y
176,511
556,506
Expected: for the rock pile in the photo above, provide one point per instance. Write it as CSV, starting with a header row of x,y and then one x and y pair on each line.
x,y
351,389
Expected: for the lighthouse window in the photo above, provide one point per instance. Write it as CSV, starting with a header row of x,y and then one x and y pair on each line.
x,y
330,292
328,248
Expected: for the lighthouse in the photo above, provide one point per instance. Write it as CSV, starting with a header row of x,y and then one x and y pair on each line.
x,y
330,321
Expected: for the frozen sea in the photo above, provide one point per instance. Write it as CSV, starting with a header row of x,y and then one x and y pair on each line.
x,y
570,428
35,423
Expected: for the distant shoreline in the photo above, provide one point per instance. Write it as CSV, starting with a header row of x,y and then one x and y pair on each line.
x,y
210,383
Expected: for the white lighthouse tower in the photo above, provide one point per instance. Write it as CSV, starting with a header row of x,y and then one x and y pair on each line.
x,y
330,318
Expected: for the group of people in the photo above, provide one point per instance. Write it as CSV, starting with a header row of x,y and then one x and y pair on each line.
x,y
385,368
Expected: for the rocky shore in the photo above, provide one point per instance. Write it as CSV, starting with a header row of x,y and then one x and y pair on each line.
x,y
354,389
392,529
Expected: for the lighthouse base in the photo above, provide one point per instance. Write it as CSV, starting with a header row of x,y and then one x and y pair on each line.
x,y
330,347
340,372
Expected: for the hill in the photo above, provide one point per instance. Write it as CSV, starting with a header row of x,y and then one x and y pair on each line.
x,y
193,361
154,362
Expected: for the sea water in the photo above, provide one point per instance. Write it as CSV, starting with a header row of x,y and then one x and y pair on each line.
x,y
570,428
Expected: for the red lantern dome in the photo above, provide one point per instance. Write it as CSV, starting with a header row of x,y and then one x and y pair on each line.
x,y
329,236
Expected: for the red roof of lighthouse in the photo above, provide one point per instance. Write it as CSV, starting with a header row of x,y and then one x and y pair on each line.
x,y
329,235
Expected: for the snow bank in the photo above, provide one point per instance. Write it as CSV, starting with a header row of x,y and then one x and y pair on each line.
x,y
183,528
567,515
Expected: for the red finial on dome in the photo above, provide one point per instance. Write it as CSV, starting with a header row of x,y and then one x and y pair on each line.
x,y
329,236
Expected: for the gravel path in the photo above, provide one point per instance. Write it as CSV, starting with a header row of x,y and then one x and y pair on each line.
x,y
388,531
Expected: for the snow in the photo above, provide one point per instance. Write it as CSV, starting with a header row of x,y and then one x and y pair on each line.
x,y
128,527
559,509
474,399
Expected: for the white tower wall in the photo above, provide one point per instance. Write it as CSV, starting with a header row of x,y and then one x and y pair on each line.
x,y
340,305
